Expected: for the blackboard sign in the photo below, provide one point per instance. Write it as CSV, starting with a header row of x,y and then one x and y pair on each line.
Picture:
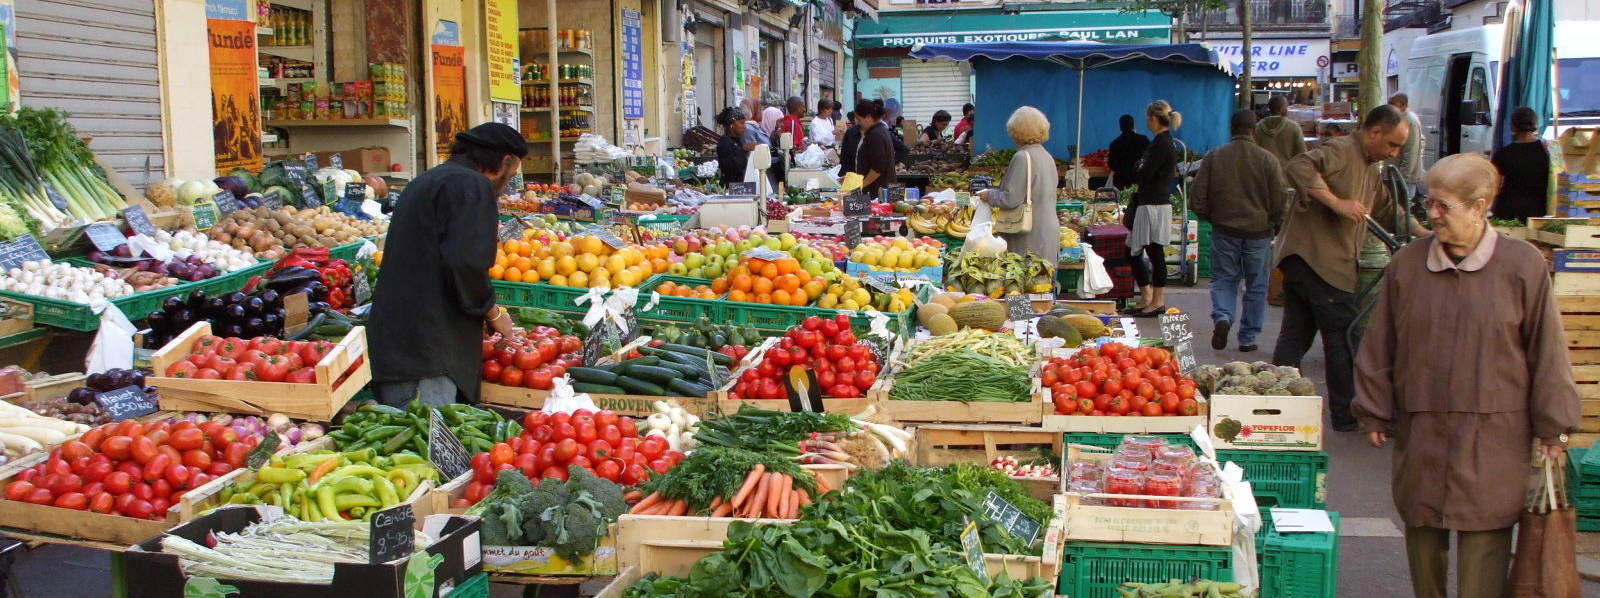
x,y
105,236
618,194
205,215
742,188
55,197
852,232
972,548
857,204
1010,518
296,173
391,535
138,221
511,230
605,337
979,183
21,249
356,192
360,287
336,161
1019,308
605,234
126,402
263,452
272,201
309,197
310,161
1175,334
592,202
226,202
444,449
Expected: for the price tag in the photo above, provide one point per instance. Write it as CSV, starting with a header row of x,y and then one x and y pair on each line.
x,y
979,183
336,161
852,232
1018,308
444,449
878,284
309,197
272,201
205,215
391,535
592,202
1175,333
763,253
105,236
295,172
857,204
1010,518
605,234
126,402
55,197
618,194
972,547
356,192
138,220
511,230
360,287
741,188
21,249
226,203
263,452
310,161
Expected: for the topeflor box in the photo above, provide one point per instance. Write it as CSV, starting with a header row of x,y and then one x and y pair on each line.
x,y
1266,423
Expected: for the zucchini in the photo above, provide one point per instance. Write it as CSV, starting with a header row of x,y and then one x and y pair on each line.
x,y
686,388
640,387
603,389
716,357
592,375
646,360
654,374
687,371
310,327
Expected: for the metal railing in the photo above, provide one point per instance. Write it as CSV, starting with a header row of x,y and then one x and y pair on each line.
x,y
1273,13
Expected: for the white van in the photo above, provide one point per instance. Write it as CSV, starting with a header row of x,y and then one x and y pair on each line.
x,y
1452,80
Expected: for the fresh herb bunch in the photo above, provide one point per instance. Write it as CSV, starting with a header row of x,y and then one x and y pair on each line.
x,y
828,557
767,431
711,471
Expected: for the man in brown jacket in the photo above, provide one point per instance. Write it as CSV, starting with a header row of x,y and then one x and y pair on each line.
x,y
1338,185
1278,134
1239,190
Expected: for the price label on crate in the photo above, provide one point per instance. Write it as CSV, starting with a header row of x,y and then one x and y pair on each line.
x,y
125,403
1019,308
852,232
263,452
139,221
360,287
310,161
205,215
226,203
391,534
857,204
763,253
105,236
972,548
1175,333
336,162
444,449
605,234
55,197
511,230
742,188
1010,518
878,284
24,248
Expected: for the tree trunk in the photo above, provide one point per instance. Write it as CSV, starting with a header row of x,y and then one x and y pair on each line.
x,y
1369,59
1245,51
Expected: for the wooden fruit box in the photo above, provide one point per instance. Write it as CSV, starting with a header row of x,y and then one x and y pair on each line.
x,y
518,397
1581,233
1580,318
340,375
1268,423
74,525
955,411
1209,522
730,405
934,445
1117,424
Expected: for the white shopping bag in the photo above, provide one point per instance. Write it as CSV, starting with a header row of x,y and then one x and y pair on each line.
x,y
813,157
113,344
562,399
1095,280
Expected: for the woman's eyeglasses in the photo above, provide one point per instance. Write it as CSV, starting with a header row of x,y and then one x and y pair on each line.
x,y
1444,207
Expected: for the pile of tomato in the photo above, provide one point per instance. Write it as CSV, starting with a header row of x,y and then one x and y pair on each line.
x,y
263,358
1116,380
845,367
602,442
132,469
532,359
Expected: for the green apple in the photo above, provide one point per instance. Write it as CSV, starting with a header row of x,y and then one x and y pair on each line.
x,y
786,240
773,244
812,267
711,271
724,249
677,269
694,260
696,273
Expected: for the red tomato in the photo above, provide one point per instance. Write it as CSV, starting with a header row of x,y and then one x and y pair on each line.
x,y
559,473
547,349
254,356
304,375
542,379
1048,377
197,458
511,376
482,469
475,491
312,353
102,503
182,369
582,461
72,500
827,379
139,509
488,348
501,454
117,482
570,344
160,488
545,457
18,490
864,380
1166,384
660,465
159,506
1087,389
611,433
96,471
563,431
187,439
40,496
608,469
628,427
273,368
1065,405
142,449
1188,407
1169,402
1152,409
1111,386
157,467
600,450
244,372
527,358
1085,406
525,462
235,454
1185,390
1136,403
219,468
566,449
653,447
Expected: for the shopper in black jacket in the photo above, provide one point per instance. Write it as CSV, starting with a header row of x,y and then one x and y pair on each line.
x,y
1125,152
1149,214
731,155
847,145
874,155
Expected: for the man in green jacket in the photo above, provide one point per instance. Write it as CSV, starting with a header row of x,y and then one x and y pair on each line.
x,y
1240,191
1278,134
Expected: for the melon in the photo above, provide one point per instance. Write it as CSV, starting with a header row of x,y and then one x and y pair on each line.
x,y
989,315
930,310
941,324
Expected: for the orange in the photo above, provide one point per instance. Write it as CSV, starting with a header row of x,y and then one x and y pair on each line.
x,y
547,268
780,297
740,270
755,264
530,276
565,265
804,276
738,295
742,282
763,286
763,298
497,271
501,260
787,265
525,249
562,249
534,248
659,265
512,273
578,280
591,244
708,295
616,263
512,246
769,271
558,280
720,285
798,299
523,264
665,288
814,289
788,282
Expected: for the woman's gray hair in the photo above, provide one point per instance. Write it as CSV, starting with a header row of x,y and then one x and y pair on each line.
x,y
1468,176
1028,126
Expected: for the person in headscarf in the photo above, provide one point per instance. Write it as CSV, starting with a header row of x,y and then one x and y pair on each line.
x,y
769,126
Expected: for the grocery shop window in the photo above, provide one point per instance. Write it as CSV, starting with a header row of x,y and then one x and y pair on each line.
x,y
1580,86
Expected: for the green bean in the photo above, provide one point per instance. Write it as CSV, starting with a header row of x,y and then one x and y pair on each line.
x,y
962,375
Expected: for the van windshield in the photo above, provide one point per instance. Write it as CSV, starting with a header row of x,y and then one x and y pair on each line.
x,y
1580,86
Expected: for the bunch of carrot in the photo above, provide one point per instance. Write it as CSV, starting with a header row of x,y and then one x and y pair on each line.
x,y
764,494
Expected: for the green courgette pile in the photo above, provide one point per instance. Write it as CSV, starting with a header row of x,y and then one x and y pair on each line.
x,y
666,370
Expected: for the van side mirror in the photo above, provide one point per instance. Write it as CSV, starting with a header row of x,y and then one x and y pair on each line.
x,y
1470,115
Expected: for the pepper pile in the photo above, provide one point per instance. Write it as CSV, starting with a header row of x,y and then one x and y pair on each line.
x,y
388,430
326,485
311,270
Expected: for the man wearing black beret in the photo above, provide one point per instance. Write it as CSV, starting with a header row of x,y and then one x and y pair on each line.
x,y
433,297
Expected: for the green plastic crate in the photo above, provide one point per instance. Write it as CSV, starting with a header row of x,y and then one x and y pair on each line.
x,y
1299,565
476,586
1292,479
57,313
1110,441
539,294
680,309
769,317
78,316
347,251
1096,569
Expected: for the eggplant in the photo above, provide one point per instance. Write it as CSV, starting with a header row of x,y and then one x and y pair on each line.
x,y
136,378
271,298
172,303
97,382
81,396
215,306
198,299
272,325
233,329
289,278
234,313
235,298
182,320
319,291
254,306
252,327
158,321
117,378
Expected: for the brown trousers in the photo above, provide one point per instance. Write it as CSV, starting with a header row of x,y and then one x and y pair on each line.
x,y
1483,562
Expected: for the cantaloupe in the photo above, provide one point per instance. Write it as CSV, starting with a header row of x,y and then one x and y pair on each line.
x,y
1088,326
989,315
941,324
930,310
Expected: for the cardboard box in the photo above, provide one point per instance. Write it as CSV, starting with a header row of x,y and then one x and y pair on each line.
x,y
150,573
363,160
539,560
1268,423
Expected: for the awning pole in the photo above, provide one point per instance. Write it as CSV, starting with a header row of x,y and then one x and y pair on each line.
x,y
1078,145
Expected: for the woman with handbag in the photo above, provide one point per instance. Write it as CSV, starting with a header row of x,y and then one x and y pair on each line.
x,y
1465,362
1149,214
1025,202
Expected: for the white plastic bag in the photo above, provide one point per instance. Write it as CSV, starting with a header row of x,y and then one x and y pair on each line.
x,y
942,196
813,157
983,242
113,344
562,399
1095,280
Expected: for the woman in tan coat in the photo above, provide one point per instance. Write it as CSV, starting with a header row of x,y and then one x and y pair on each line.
x,y
1466,363
1031,175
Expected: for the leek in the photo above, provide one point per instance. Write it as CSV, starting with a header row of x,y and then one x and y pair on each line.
x,y
66,163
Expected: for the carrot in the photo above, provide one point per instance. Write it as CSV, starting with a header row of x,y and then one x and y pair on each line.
x,y
775,493
822,485
759,496
749,485
716,501
633,496
722,510
659,508
644,505
805,499
678,507
794,504
783,503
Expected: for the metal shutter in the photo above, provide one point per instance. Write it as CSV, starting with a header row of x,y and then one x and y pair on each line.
x,y
931,86
96,60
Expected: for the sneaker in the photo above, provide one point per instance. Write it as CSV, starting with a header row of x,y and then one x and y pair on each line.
x,y
1219,334
1247,348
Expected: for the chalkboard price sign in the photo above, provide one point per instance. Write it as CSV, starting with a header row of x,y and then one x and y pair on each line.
x,y
972,547
356,192
511,230
1010,518
21,249
138,220
126,402
605,234
336,161
391,535
1019,308
742,188
1175,334
857,204
226,203
310,161
263,452
309,197
852,232
360,287
205,215
105,236
272,201
444,449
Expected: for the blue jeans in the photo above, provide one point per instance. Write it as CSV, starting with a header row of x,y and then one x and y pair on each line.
x,y
1234,260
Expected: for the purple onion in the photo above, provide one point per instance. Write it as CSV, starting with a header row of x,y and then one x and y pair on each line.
x,y
97,256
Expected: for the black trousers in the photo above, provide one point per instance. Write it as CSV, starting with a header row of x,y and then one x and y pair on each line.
x,y
1312,306
1150,269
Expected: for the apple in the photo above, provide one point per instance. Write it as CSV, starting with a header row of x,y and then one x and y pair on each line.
x,y
678,269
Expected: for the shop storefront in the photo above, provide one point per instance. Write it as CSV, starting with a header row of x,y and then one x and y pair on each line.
x,y
1297,68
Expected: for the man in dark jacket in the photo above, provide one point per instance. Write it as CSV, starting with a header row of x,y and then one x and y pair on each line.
x,y
1278,134
1239,190
1125,152
434,300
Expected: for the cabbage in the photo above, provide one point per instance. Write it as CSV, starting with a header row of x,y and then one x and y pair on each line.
x,y
234,185
193,191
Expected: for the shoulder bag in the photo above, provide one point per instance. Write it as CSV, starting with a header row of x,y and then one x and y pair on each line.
x,y
1020,219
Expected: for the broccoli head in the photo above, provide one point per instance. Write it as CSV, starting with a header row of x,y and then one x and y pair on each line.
x,y
580,533
494,527
606,492
513,481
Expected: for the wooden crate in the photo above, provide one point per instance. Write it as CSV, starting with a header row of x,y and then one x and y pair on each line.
x,y
934,445
1581,233
44,388
726,404
1580,318
631,405
1117,424
956,412
340,375
1087,518
74,525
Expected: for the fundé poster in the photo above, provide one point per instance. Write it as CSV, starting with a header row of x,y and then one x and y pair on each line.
x,y
449,87
235,92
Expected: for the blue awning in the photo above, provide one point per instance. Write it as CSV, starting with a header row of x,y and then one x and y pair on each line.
x,y
1075,55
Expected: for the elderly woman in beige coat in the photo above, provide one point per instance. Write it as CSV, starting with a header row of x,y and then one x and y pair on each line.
x,y
1029,129
1466,362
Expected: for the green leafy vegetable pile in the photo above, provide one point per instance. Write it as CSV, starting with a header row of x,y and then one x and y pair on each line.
x,y
934,500
713,471
769,431
570,517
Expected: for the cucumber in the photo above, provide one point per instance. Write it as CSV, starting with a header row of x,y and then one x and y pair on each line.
x,y
698,364
646,360
716,357
592,376
685,370
640,387
686,388
597,388
654,374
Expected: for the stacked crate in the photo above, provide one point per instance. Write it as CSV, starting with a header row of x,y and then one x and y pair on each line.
x,y
1110,242
1577,195
1577,288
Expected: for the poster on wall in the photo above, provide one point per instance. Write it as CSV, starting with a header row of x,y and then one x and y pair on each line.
x,y
500,20
449,86
235,94
8,20
632,65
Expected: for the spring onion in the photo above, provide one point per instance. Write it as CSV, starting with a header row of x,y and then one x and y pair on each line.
x,y
66,163
283,550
